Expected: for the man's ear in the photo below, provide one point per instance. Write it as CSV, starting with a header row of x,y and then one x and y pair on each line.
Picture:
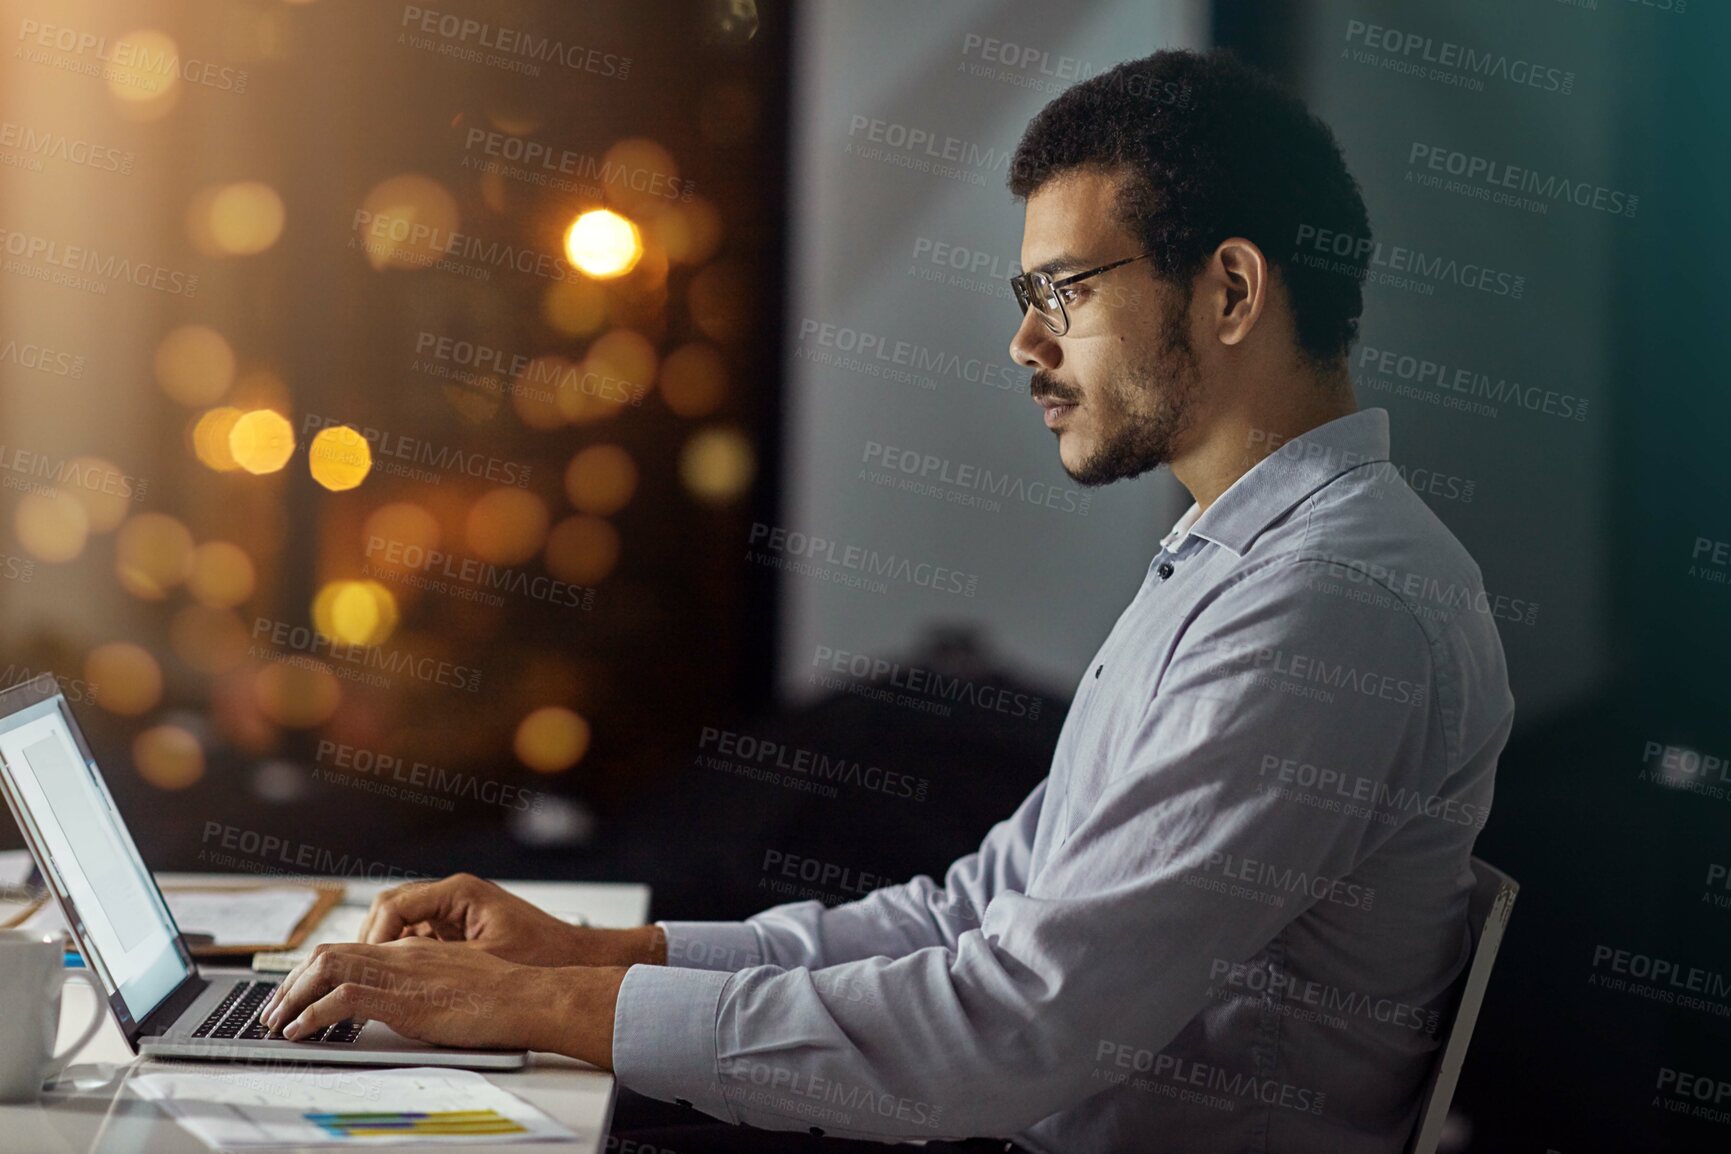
x,y
1239,278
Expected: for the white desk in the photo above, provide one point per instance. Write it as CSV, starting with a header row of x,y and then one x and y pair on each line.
x,y
92,1111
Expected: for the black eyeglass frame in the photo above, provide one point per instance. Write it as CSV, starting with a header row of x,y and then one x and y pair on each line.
x,y
1021,283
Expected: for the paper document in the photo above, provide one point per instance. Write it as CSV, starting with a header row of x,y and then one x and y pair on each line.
x,y
239,918
253,1109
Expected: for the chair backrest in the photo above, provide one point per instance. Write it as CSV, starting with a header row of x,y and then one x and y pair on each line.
x,y
1488,911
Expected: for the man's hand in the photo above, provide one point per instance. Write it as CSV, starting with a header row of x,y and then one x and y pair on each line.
x,y
452,995
464,908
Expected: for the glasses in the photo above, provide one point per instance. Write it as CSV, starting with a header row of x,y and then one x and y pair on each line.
x,y
1038,291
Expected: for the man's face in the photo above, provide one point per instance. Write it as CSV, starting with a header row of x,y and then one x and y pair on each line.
x,y
1119,388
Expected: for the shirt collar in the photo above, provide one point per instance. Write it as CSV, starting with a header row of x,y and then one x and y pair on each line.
x,y
1271,487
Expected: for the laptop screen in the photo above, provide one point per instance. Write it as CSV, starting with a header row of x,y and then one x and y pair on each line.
x,y
88,856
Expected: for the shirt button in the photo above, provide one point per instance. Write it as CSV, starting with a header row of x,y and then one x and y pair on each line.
x,y
1164,569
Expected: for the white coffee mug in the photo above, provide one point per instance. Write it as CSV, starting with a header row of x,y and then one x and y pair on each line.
x,y
32,971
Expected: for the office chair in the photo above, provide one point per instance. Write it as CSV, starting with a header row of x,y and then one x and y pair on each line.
x,y
1488,909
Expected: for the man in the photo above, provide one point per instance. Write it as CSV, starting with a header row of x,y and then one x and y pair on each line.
x,y
1233,915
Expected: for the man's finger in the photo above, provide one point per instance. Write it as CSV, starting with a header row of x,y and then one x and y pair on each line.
x,y
346,1000
440,901
328,967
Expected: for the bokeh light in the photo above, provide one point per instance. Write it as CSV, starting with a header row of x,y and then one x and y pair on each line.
x,y
693,380
401,523
127,678
717,465
649,175
222,575
574,307
536,392
551,739
147,85
51,525
103,490
168,757
152,554
688,233
339,458
618,368
601,479
210,439
261,441
239,219
355,612
582,549
297,696
410,223
602,244
194,365
506,526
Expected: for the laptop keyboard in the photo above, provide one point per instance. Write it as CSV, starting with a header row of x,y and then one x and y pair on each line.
x,y
236,1016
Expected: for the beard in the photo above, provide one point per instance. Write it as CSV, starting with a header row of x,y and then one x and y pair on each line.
x,y
1141,410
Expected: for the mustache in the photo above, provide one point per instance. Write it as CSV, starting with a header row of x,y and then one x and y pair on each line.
x,y
1044,384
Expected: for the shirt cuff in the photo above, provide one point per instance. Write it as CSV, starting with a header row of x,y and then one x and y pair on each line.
x,y
664,1036
724,946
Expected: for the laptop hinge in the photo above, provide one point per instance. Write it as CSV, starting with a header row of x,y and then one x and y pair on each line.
x,y
168,1011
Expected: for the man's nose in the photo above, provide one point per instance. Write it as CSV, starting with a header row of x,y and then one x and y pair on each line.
x,y
1033,346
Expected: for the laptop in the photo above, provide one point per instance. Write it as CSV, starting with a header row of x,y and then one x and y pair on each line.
x,y
164,1006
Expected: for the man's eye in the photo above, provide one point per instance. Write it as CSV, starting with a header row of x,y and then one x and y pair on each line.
x,y
1072,293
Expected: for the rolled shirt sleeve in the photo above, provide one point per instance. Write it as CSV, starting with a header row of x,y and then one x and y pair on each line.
x,y
985,1031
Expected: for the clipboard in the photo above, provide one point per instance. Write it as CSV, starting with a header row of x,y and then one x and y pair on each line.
x,y
329,895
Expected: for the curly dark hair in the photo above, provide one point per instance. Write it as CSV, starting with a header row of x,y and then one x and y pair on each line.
x,y
1215,149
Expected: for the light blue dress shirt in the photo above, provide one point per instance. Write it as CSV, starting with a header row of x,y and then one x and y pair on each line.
x,y
1230,918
